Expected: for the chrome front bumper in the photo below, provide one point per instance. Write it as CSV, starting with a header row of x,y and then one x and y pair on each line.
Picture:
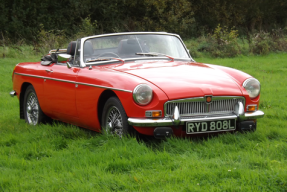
x,y
177,120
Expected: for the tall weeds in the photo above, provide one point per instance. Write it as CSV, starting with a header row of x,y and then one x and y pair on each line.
x,y
224,42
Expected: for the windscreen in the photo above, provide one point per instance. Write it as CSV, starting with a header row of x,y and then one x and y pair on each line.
x,y
133,46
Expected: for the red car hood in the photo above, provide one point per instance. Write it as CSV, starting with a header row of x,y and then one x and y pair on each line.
x,y
183,79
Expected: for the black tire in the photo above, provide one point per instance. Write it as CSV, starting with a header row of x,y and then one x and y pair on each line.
x,y
32,111
119,124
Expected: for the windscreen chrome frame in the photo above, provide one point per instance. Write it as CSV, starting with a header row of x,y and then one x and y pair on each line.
x,y
83,64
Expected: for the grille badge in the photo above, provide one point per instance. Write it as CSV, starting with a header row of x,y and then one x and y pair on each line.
x,y
208,99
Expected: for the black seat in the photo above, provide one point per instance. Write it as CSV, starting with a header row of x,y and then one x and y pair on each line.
x,y
129,47
71,48
88,49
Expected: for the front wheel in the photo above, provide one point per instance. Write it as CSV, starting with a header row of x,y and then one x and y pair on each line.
x,y
32,110
114,118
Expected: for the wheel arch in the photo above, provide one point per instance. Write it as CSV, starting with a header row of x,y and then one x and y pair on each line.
x,y
102,100
21,100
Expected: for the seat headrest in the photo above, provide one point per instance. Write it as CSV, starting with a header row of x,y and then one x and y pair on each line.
x,y
71,48
128,47
88,48
131,47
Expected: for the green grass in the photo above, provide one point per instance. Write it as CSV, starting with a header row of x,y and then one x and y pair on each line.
x,y
62,157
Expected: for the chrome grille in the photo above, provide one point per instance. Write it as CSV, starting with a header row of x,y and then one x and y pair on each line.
x,y
198,106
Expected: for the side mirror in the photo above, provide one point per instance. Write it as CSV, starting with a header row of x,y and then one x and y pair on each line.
x,y
63,58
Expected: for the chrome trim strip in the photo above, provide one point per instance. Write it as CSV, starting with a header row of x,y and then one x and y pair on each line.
x,y
12,93
140,122
74,82
36,76
99,86
43,77
62,80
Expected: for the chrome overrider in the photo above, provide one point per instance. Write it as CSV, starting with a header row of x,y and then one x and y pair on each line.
x,y
12,93
176,120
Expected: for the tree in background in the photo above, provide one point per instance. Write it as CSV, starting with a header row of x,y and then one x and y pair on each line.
x,y
26,19
245,15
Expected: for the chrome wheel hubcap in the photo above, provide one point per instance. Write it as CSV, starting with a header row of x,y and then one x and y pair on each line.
x,y
114,122
32,109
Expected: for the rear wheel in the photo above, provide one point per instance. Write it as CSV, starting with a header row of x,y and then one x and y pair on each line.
x,y
32,110
114,118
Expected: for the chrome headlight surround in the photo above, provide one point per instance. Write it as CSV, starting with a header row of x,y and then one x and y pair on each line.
x,y
142,94
252,86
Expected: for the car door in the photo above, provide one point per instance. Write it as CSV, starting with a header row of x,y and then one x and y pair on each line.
x,y
60,87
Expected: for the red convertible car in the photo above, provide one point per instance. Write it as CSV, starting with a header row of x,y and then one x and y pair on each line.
x,y
143,82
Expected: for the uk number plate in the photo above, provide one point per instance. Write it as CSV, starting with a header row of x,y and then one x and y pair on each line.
x,y
210,126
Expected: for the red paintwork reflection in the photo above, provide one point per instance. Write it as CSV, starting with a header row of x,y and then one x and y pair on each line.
x,y
183,79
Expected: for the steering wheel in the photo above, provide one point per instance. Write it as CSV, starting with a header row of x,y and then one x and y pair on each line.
x,y
109,54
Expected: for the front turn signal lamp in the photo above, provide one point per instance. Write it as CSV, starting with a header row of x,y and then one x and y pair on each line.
x,y
251,108
153,113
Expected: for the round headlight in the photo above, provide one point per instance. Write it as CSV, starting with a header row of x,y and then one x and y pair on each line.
x,y
252,86
142,94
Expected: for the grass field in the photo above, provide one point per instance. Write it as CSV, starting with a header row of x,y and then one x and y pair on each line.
x,y
61,157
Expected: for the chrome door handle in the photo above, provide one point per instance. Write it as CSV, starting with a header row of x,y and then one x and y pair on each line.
x,y
48,70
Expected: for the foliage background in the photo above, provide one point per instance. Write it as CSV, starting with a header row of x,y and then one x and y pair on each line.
x,y
190,18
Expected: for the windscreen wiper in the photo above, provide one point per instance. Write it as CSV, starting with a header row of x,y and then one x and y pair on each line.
x,y
153,54
99,59
104,59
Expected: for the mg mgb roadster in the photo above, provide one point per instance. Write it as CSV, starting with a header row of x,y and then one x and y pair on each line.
x,y
136,82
